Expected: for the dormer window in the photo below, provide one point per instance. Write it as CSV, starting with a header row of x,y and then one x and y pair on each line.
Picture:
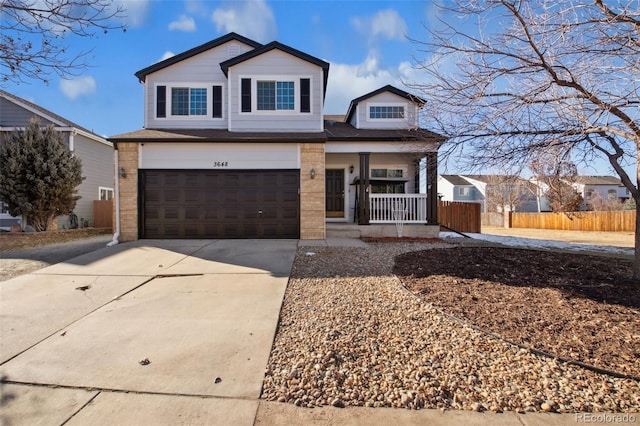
x,y
387,112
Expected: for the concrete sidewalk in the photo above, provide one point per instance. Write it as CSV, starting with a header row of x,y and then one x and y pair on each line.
x,y
76,337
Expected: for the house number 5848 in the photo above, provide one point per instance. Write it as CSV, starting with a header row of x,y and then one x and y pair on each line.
x,y
220,164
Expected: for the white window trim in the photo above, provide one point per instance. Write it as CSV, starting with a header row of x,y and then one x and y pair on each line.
x,y
404,168
464,191
254,94
189,85
105,188
386,120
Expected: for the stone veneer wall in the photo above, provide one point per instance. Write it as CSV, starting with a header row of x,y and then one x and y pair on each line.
x,y
128,160
312,192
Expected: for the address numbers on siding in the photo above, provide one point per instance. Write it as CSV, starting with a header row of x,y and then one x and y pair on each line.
x,y
217,164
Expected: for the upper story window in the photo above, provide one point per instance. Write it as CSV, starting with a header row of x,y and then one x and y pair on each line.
x,y
188,101
275,95
386,112
198,102
612,194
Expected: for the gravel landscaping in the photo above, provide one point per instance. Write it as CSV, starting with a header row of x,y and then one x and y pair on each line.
x,y
351,334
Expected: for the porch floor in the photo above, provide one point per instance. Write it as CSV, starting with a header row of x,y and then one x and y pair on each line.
x,y
378,230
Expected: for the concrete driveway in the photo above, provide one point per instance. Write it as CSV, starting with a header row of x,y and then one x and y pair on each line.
x,y
149,332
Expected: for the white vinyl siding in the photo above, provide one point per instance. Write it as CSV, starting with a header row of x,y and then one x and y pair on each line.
x,y
225,156
381,103
202,71
276,66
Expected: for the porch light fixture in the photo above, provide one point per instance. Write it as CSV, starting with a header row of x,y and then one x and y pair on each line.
x,y
313,173
122,172
351,169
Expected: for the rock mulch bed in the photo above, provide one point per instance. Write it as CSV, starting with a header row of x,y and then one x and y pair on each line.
x,y
350,334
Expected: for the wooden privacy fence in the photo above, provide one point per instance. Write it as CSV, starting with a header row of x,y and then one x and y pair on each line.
x,y
462,217
103,214
615,221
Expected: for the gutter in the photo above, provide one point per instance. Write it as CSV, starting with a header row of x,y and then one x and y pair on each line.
x,y
114,241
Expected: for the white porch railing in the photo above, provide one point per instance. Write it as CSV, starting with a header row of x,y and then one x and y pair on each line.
x,y
389,208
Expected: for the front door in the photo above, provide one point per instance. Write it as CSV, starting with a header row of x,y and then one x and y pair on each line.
x,y
335,192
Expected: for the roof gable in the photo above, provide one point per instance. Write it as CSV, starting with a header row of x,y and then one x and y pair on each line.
x,y
284,48
142,74
49,116
388,88
37,110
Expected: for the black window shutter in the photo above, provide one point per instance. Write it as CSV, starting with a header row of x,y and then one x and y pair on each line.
x,y
305,95
217,101
161,101
245,90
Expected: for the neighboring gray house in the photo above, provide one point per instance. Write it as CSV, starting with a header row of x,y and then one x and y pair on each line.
x,y
598,189
95,152
494,192
457,188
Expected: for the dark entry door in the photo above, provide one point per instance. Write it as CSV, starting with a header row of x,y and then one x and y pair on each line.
x,y
335,192
220,204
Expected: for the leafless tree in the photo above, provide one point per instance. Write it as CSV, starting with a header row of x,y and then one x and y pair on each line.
x,y
506,193
557,176
598,203
507,79
35,36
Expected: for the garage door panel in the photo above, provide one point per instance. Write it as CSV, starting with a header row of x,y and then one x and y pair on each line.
x,y
220,204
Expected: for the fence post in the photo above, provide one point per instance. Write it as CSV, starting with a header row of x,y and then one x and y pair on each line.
x,y
507,219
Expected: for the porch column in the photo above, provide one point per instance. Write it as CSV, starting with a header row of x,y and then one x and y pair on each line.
x,y
432,188
363,205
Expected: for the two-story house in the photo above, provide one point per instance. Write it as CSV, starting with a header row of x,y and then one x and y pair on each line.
x,y
495,193
235,145
95,152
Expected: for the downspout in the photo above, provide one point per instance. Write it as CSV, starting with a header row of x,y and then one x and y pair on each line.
x,y
114,241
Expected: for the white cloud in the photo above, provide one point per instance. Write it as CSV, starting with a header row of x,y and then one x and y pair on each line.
x,y
387,24
77,87
197,7
184,23
250,18
135,11
168,54
350,81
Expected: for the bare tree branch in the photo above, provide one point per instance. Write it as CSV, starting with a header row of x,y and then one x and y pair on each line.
x,y
34,36
535,76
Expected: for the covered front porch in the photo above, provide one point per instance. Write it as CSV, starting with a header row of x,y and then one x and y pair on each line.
x,y
383,188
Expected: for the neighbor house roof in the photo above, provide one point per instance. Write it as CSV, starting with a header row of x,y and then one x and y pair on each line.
x,y
456,180
46,114
283,47
598,180
142,74
387,88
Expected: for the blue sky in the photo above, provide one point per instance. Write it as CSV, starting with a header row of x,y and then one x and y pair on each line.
x,y
364,41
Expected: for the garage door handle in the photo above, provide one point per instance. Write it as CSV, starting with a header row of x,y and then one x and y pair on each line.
x,y
259,211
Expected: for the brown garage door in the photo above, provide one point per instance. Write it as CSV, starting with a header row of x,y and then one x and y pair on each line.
x,y
220,204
